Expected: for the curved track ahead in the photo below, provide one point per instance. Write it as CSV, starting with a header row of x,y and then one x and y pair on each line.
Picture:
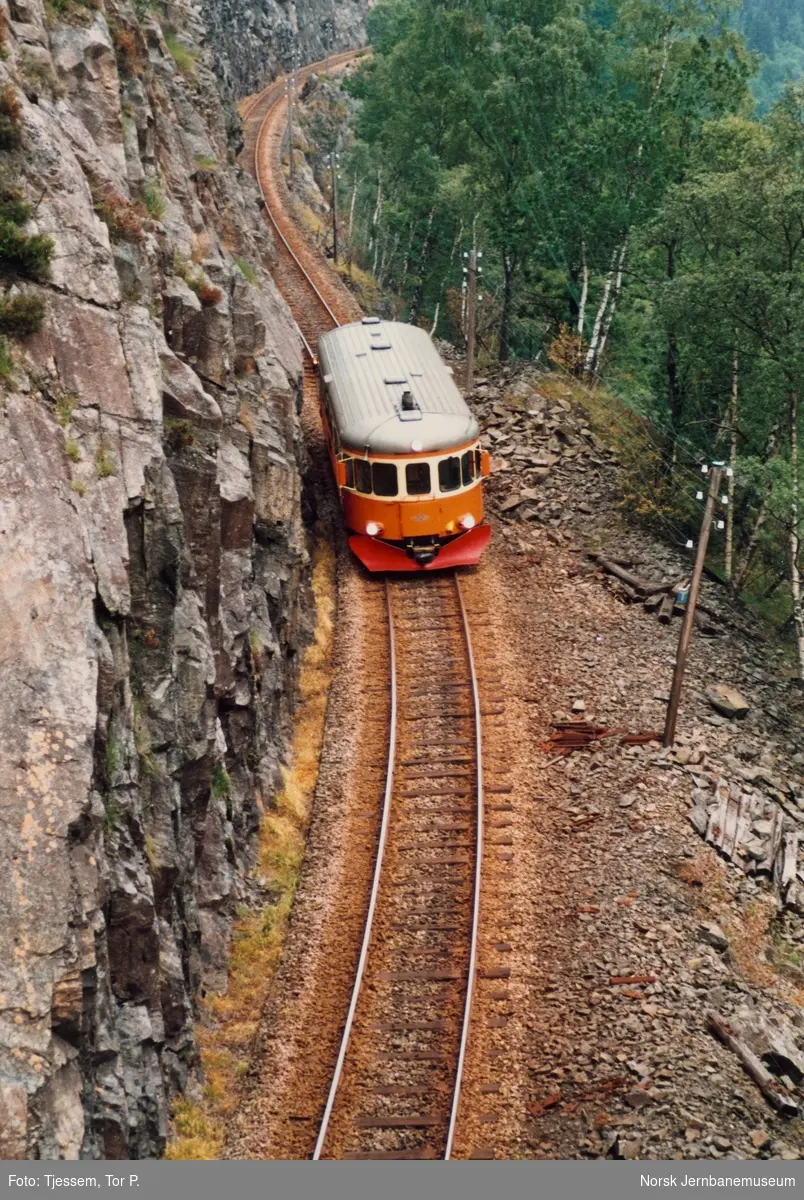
x,y
396,1083
317,297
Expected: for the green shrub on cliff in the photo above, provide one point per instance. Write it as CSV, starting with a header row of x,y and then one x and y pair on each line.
x,y
39,77
178,434
21,315
23,255
183,56
105,463
71,12
221,782
10,112
20,254
6,359
155,200
247,271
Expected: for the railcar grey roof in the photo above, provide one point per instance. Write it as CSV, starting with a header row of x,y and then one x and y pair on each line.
x,y
368,366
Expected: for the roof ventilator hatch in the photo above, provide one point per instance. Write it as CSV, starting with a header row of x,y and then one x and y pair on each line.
x,y
408,407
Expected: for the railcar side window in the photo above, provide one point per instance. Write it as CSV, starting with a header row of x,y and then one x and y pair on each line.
x,y
417,478
349,463
449,474
468,467
363,475
385,479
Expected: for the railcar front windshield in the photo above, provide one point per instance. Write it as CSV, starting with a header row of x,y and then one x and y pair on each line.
x,y
385,479
414,480
417,478
449,474
363,475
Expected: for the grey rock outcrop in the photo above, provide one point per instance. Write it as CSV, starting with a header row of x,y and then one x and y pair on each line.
x,y
728,701
252,41
150,523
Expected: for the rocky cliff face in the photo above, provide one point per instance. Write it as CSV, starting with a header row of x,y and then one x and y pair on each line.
x,y
154,570
253,40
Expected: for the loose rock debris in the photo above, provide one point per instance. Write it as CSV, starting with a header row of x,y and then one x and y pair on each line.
x,y
728,701
630,902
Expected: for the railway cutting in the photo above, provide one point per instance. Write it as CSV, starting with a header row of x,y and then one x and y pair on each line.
x,y
395,1084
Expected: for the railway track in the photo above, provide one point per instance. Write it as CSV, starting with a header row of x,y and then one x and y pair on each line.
x,y
396,1082
395,1090
317,297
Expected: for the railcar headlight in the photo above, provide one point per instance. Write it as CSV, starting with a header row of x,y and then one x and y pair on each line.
x,y
373,528
467,522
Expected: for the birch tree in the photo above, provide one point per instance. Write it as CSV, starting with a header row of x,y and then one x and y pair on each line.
x,y
678,66
741,217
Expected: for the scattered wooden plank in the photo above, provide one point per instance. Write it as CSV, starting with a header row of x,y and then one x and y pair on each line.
x,y
773,844
749,845
631,580
786,867
789,859
742,826
719,816
776,1095
706,625
538,1107
666,609
727,823
732,821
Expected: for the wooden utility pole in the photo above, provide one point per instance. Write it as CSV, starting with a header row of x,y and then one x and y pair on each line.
x,y
329,33
293,91
333,159
689,612
471,317
291,99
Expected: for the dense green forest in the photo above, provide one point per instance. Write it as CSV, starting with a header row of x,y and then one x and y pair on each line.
x,y
641,225
775,29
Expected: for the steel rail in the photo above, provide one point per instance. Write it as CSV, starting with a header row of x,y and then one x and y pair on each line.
x,y
278,89
261,136
383,838
375,888
472,970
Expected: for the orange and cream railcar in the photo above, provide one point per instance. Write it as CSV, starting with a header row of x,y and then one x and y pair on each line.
x,y
405,448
